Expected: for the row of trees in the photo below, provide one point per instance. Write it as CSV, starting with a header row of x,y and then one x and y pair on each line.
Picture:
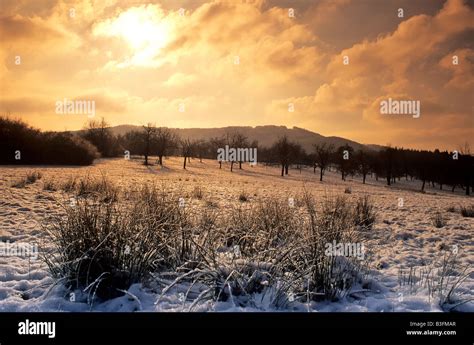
x,y
455,169
160,142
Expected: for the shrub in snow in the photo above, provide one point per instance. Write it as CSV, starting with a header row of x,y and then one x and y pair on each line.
x,y
438,220
364,213
467,211
314,274
30,178
103,247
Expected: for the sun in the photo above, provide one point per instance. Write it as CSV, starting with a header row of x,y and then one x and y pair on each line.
x,y
145,29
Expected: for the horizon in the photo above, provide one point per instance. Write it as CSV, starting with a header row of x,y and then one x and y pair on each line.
x,y
201,64
460,146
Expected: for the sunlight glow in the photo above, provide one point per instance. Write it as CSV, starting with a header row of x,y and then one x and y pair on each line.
x,y
145,29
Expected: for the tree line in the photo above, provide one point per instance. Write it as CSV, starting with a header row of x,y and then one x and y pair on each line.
x,y
442,169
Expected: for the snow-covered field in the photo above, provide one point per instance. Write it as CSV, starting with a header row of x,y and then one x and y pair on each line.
x,y
403,236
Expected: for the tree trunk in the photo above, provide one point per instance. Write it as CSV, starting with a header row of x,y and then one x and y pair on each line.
x,y
231,166
240,165
220,164
282,169
423,186
286,169
161,160
363,178
321,172
184,163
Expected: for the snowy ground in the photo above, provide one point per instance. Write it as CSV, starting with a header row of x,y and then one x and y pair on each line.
x,y
403,235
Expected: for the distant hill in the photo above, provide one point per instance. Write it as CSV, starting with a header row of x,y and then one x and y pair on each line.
x,y
265,135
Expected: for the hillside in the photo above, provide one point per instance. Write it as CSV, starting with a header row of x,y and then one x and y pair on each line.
x,y
265,135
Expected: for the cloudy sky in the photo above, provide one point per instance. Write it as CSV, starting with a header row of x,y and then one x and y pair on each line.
x,y
219,63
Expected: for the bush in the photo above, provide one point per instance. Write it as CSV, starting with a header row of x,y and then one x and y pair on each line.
x,y
69,185
467,211
98,187
438,220
30,178
243,197
313,272
451,209
104,248
49,185
35,147
198,193
364,213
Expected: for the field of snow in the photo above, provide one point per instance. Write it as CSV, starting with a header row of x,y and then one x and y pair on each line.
x,y
403,236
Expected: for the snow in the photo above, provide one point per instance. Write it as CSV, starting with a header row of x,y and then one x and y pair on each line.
x,y
402,237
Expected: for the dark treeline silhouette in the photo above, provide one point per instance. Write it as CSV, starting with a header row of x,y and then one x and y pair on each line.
x,y
21,144
436,168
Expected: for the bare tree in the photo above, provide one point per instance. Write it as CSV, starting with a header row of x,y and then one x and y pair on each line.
x,y
149,136
165,140
215,144
388,159
322,154
363,164
98,133
467,166
282,150
240,141
187,148
200,149
231,139
344,160
296,152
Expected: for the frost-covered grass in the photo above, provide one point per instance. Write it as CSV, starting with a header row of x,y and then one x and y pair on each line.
x,y
438,220
364,213
467,211
440,280
222,253
30,178
104,247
